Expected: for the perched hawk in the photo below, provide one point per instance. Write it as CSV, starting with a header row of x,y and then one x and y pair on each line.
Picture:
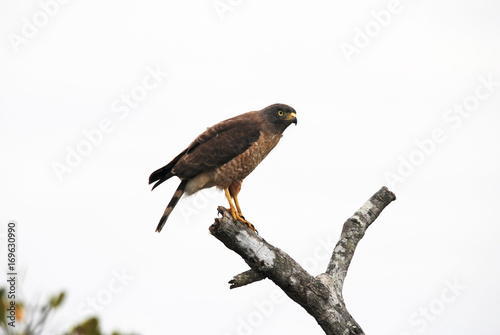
x,y
224,155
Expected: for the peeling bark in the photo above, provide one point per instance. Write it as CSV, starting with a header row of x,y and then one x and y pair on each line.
x,y
320,296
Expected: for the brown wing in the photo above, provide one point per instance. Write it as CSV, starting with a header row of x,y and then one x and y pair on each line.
x,y
218,145
214,147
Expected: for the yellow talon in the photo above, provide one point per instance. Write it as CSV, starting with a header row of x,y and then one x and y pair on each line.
x,y
236,211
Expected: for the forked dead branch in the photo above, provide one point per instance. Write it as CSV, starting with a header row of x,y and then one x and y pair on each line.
x,y
320,296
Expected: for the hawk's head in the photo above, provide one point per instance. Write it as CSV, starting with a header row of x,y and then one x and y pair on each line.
x,y
279,116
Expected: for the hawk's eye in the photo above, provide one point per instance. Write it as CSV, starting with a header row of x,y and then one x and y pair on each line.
x,y
280,113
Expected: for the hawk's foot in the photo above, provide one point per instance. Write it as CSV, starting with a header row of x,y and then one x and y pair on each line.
x,y
237,216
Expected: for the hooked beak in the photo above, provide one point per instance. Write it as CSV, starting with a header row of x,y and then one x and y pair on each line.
x,y
292,118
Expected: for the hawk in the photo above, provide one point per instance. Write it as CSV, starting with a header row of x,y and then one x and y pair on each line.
x,y
224,155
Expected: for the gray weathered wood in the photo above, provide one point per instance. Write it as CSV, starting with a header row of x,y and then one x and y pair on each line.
x,y
320,296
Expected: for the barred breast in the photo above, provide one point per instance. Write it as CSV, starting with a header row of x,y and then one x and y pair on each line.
x,y
242,165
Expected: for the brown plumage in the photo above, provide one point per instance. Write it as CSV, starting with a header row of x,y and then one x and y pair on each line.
x,y
225,154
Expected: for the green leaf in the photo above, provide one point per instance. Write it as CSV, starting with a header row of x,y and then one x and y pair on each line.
x,y
88,327
56,301
3,307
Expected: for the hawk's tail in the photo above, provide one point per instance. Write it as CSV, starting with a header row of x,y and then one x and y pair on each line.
x,y
175,199
160,175
164,173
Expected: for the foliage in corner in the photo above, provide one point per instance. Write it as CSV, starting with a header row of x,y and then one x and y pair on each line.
x,y
23,320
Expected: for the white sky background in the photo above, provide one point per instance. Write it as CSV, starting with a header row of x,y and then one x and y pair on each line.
x,y
358,120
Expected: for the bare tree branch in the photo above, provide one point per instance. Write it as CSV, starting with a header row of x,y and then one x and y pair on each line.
x,y
320,296
353,231
245,278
